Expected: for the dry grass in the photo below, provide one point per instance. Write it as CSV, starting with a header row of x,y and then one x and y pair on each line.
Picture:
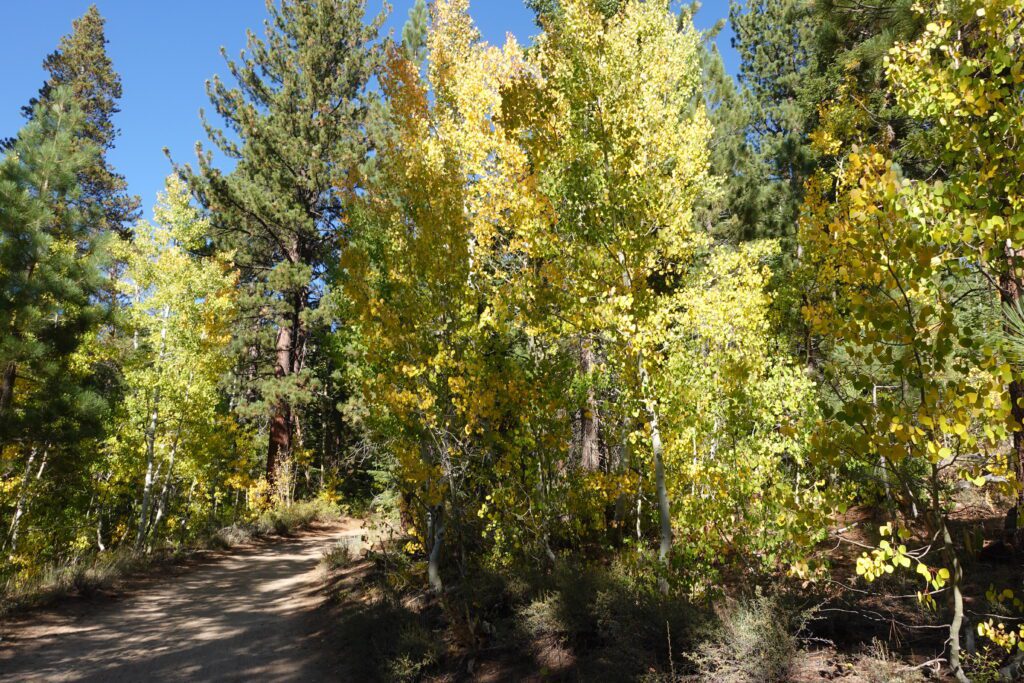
x,y
756,640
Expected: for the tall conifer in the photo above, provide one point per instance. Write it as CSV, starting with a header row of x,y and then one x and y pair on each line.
x,y
414,33
81,64
774,39
298,120
51,263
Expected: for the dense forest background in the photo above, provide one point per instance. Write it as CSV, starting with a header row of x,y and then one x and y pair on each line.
x,y
590,307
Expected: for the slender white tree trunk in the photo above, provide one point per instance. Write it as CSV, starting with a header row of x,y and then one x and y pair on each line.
x,y
150,437
437,540
23,496
657,448
590,451
660,485
165,492
956,578
147,487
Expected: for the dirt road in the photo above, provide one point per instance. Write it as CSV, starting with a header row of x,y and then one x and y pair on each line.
x,y
251,615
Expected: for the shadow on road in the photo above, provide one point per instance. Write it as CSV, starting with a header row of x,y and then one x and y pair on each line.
x,y
255,615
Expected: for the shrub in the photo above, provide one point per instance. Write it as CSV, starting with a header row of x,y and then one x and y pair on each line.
x,y
544,618
283,521
755,641
338,555
417,651
83,576
231,536
279,521
879,665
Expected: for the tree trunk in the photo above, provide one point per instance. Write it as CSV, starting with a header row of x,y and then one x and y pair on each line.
x,y
12,532
664,511
151,430
10,375
280,422
1016,390
165,492
147,486
590,445
168,478
1009,291
956,578
658,451
436,528
23,497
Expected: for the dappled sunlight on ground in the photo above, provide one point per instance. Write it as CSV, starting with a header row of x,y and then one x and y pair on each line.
x,y
253,615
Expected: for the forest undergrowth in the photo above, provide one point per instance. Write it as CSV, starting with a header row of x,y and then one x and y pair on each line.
x,y
599,620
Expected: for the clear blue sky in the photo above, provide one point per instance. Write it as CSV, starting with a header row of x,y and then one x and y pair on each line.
x,y
166,49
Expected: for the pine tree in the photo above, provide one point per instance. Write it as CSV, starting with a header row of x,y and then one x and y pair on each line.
x,y
81,63
774,39
858,107
300,113
542,9
545,10
52,260
731,210
414,33
50,257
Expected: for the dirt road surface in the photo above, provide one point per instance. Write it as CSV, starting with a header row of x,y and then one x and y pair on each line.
x,y
254,614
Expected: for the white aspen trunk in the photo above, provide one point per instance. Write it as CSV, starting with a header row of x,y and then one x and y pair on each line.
x,y
664,510
161,508
12,532
657,448
436,524
150,437
434,559
590,453
882,470
660,485
26,485
165,491
188,506
99,532
147,487
956,578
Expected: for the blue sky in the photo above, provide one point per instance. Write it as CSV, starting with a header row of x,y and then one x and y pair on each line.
x,y
166,49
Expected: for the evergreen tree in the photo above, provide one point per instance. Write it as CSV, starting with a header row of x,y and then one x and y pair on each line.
x,y
774,39
81,63
298,118
730,210
50,260
59,207
51,272
414,33
542,9
858,106
548,9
